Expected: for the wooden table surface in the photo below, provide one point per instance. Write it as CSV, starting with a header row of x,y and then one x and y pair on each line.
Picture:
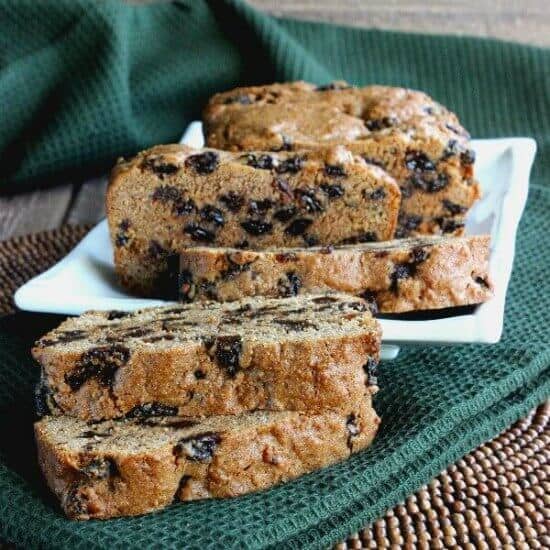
x,y
520,20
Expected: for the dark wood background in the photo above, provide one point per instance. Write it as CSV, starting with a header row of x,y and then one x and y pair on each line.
x,y
525,21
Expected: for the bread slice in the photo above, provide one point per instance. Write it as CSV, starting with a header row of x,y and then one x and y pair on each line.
x,y
301,353
130,467
173,196
396,276
417,140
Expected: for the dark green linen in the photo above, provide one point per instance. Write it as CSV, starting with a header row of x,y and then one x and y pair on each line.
x,y
82,82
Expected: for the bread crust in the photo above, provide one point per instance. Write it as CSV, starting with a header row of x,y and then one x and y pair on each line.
x,y
418,141
130,469
395,276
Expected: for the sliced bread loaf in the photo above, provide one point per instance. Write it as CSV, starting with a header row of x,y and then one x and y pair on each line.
x,y
396,276
130,467
417,140
306,353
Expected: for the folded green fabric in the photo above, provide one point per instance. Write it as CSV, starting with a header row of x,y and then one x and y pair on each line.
x,y
82,82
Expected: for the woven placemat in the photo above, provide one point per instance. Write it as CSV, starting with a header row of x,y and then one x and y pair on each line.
x,y
497,496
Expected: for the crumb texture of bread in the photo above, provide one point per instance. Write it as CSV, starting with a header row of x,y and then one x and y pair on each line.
x,y
173,196
415,139
430,272
131,467
305,353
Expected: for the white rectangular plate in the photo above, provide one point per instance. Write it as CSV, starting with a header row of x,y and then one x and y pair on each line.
x,y
85,278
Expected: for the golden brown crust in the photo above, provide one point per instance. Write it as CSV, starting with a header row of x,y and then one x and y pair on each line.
x,y
395,276
131,469
173,196
418,141
201,360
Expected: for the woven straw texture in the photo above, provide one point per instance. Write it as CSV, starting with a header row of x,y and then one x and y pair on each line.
x,y
495,496
106,79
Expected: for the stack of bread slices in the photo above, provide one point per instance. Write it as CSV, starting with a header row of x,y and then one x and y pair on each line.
x,y
313,209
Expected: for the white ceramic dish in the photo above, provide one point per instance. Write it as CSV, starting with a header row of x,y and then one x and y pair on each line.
x,y
85,278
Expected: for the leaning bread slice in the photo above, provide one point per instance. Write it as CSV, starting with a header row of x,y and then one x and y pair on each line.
x,y
395,276
302,353
173,196
130,467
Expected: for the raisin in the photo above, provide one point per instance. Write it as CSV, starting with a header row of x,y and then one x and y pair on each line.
x,y
212,214
100,363
451,150
416,161
324,300
334,171
429,110
333,191
199,374
457,131
290,165
468,157
241,99
332,86
63,338
115,314
289,286
309,201
135,332
100,468
75,503
406,190
453,207
228,352
199,234
371,370
284,187
370,298
260,206
377,194
380,123
285,257
92,434
356,306
166,283
152,409
410,222
234,268
122,237
419,255
285,214
184,480
203,163
159,167
166,193
183,207
262,162
400,271
482,282
448,225
311,240
199,447
232,201
329,249
159,338
298,226
430,185
256,227
296,325
156,250
352,428
44,401
242,244
208,289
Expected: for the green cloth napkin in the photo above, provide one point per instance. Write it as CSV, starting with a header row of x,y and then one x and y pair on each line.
x,y
82,82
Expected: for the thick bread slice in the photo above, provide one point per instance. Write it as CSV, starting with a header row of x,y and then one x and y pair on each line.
x,y
173,196
305,353
396,276
130,467
418,141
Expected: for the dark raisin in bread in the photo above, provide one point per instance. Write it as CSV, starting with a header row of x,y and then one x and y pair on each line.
x,y
418,141
306,353
395,276
173,196
130,467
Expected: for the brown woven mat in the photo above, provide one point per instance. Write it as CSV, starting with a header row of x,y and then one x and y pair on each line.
x,y
497,496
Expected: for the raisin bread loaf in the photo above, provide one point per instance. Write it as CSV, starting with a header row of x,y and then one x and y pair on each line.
x,y
307,353
173,196
418,141
130,467
408,274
